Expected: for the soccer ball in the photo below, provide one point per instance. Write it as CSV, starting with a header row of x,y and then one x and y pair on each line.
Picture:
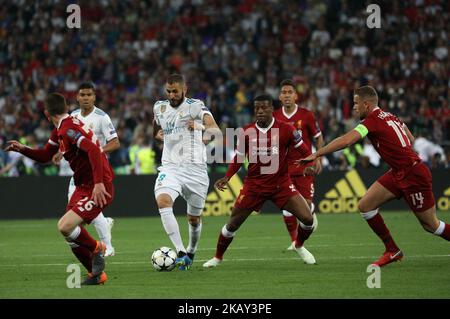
x,y
163,259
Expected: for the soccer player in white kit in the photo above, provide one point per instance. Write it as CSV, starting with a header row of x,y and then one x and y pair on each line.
x,y
184,125
100,123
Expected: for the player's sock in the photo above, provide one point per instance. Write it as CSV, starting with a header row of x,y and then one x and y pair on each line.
x,y
101,225
291,224
171,227
303,233
83,254
376,222
194,237
81,237
443,230
225,239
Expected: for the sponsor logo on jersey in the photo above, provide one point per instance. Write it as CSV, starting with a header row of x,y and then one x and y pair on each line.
x,y
443,203
163,108
344,196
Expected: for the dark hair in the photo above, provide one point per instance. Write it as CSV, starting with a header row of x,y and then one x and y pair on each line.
x,y
55,104
367,92
288,82
86,85
175,78
264,97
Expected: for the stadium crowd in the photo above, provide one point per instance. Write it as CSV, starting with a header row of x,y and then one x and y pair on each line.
x,y
228,51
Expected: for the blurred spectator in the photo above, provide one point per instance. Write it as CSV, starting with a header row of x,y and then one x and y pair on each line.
x,y
229,51
432,154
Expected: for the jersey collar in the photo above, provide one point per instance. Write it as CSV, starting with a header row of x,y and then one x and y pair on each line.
x,y
93,110
265,129
289,116
62,119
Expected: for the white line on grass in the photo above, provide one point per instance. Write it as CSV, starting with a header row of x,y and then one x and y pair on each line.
x,y
226,259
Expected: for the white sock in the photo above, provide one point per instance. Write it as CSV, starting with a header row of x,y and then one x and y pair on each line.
x,y
171,227
74,234
194,237
101,225
440,229
286,213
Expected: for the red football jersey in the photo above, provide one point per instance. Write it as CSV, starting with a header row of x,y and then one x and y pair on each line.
x,y
305,123
69,135
266,150
388,137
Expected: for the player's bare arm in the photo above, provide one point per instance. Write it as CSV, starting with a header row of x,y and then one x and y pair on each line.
x,y
111,146
157,132
339,143
318,163
211,129
56,159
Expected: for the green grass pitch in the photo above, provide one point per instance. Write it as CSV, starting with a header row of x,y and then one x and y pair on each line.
x,y
34,257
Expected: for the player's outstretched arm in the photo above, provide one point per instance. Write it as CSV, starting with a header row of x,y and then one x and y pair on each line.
x,y
339,143
157,132
212,130
41,155
409,134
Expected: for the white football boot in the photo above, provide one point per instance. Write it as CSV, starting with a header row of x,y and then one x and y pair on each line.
x,y
305,255
212,262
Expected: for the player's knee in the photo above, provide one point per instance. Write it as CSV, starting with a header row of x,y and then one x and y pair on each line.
x,y
429,227
308,220
164,201
363,206
64,227
194,220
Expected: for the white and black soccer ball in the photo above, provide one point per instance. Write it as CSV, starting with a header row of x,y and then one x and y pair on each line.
x,y
163,259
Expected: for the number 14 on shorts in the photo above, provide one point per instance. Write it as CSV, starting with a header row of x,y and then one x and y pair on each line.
x,y
417,199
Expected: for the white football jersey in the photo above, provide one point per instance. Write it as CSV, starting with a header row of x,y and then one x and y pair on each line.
x,y
97,121
181,146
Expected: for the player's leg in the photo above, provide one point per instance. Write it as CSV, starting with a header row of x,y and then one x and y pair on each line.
x,y
377,195
431,223
195,229
237,218
103,227
300,208
165,199
83,245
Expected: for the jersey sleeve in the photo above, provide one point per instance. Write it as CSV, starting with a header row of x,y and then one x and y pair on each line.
x,y
108,129
156,109
72,136
296,141
313,126
198,110
53,140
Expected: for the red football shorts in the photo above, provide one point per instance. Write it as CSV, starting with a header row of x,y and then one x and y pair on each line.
x,y
82,204
305,185
252,198
415,187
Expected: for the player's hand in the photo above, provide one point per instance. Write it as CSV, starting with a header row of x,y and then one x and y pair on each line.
x,y
318,165
192,125
14,146
160,135
306,160
56,159
99,195
221,184
309,171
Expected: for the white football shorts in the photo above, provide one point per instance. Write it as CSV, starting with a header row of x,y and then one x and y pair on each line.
x,y
191,183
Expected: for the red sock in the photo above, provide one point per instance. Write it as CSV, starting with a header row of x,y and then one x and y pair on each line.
x,y
291,225
222,245
446,233
303,235
379,227
85,240
84,256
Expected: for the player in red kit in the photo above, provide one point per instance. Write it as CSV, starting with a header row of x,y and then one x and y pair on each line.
x,y
93,180
305,123
408,177
265,144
